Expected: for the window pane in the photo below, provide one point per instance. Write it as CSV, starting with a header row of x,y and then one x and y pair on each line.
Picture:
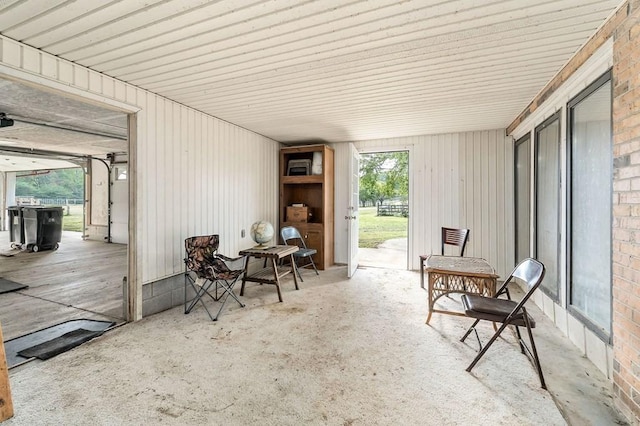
x,y
523,202
121,173
591,159
548,203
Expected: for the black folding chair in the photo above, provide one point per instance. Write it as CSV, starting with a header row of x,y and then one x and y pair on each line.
x,y
291,234
507,312
215,274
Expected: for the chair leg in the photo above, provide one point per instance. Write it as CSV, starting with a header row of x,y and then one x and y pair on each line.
x,y
473,326
534,353
314,265
199,291
520,341
531,354
227,290
295,260
204,289
487,346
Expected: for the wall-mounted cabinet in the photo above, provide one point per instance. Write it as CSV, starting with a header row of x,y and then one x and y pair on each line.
x,y
306,184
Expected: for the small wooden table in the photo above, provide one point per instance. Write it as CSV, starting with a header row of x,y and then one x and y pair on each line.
x,y
271,273
455,274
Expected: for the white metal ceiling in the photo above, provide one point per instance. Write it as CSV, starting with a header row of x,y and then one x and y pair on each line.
x,y
332,70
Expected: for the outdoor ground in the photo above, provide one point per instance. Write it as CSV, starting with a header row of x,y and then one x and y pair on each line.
x,y
375,230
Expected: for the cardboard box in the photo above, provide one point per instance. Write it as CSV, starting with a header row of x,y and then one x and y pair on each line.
x,y
297,214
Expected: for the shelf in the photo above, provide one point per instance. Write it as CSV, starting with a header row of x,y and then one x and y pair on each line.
x,y
302,179
265,275
316,192
305,225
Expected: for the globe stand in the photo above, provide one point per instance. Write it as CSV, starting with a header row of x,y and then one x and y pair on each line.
x,y
261,246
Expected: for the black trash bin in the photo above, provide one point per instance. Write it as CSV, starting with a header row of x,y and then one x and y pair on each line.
x,y
42,227
16,226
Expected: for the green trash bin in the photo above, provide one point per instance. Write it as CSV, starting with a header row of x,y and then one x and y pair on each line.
x,y
16,226
42,227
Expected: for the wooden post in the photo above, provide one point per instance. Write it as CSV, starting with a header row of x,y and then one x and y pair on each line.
x,y
6,403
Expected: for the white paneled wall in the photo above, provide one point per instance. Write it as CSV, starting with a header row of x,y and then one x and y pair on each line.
x,y
457,180
194,174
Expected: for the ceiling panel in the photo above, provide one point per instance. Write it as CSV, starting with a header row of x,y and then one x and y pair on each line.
x,y
21,163
332,70
45,120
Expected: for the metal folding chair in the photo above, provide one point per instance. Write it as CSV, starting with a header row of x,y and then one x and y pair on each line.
x,y
507,312
209,274
291,234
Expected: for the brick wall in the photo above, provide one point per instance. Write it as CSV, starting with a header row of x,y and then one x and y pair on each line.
x,y
626,213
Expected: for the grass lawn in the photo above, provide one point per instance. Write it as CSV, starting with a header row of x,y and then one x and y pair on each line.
x,y
373,229
376,229
73,220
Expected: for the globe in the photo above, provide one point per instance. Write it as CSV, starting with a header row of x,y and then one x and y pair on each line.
x,y
261,232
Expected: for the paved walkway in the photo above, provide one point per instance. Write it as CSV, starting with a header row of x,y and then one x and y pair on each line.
x,y
390,254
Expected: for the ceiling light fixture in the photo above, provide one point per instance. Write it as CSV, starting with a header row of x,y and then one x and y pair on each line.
x,y
4,121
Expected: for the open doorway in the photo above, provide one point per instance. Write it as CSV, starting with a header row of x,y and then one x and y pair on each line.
x,y
43,134
384,209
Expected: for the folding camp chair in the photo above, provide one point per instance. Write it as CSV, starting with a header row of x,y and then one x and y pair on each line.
x,y
507,312
291,234
215,274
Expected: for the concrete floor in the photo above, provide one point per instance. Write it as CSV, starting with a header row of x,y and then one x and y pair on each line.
x,y
581,392
390,254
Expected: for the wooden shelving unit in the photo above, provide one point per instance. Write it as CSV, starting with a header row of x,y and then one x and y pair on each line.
x,y
316,191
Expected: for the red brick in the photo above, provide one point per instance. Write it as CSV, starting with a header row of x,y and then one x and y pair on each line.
x,y
626,208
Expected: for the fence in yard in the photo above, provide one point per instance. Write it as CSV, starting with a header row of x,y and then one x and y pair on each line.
x,y
32,201
393,210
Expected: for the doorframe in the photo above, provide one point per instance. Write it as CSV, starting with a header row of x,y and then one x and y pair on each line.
x,y
134,261
412,214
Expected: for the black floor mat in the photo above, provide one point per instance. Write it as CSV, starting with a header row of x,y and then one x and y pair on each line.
x,y
60,344
7,285
14,346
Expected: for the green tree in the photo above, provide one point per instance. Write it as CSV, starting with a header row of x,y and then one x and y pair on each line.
x,y
384,176
61,183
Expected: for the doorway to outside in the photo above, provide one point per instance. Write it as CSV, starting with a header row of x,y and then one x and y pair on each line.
x,y
384,210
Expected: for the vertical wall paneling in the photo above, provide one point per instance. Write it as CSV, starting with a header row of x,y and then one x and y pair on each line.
x,y
120,91
226,193
11,53
95,82
457,180
149,176
108,88
162,201
65,73
49,67
193,180
186,174
193,172
176,185
215,162
31,60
